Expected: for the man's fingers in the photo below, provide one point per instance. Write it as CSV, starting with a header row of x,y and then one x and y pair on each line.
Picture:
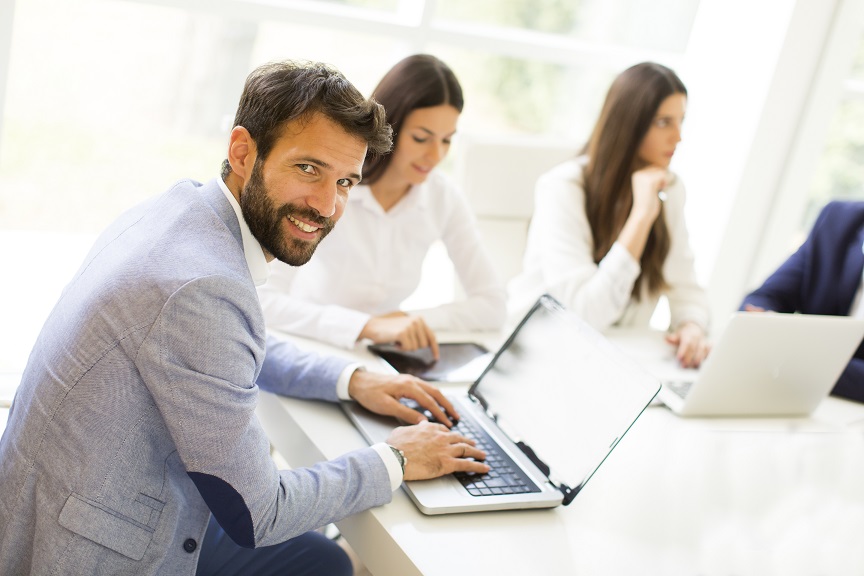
x,y
407,414
467,450
467,458
440,400
427,402
437,413
465,465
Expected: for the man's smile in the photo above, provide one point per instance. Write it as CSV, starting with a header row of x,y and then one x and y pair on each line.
x,y
303,225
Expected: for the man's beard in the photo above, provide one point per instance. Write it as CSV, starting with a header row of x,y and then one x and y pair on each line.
x,y
265,222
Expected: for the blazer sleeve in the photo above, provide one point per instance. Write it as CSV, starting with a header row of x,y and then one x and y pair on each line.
x,y
290,371
200,362
782,291
850,385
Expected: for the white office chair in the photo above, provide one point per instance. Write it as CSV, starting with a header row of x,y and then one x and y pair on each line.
x,y
498,176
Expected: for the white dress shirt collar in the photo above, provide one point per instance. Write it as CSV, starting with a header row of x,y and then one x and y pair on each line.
x,y
255,259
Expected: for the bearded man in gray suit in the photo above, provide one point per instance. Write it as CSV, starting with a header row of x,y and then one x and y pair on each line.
x,y
134,420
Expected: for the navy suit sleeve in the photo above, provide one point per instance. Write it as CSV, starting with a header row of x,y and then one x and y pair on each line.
x,y
851,382
822,276
783,290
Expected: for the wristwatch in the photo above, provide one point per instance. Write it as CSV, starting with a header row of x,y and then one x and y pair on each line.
x,y
400,456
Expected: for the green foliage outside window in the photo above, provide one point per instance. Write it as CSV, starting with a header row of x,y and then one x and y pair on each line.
x,y
840,172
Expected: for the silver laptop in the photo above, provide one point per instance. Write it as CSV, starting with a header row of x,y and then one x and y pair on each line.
x,y
767,364
549,408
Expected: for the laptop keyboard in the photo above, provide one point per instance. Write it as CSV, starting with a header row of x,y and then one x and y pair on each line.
x,y
680,387
504,476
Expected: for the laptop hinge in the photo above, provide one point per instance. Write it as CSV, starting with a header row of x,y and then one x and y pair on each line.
x,y
569,493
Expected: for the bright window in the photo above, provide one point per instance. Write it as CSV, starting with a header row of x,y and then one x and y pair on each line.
x,y
660,24
128,97
840,171
108,102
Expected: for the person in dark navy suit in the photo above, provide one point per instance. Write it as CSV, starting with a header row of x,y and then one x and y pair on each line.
x,y
824,277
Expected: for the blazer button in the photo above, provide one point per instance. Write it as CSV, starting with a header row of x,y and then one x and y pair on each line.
x,y
190,545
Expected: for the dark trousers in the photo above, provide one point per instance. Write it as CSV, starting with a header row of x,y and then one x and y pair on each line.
x,y
310,554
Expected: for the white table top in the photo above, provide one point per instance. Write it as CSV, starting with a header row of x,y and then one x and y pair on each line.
x,y
676,496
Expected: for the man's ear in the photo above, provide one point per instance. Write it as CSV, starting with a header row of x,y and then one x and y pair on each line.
x,y
241,152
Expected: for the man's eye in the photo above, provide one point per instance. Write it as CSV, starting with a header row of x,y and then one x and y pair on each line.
x,y
345,182
308,168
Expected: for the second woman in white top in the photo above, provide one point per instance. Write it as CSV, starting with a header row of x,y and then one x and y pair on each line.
x,y
372,260
608,237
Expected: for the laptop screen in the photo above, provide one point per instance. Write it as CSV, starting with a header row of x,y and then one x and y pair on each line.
x,y
562,388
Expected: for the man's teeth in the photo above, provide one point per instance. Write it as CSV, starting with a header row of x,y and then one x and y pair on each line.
x,y
302,225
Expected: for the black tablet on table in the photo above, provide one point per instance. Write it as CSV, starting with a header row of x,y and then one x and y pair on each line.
x,y
458,362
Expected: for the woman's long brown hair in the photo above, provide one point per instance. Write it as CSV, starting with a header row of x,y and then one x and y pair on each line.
x,y
630,107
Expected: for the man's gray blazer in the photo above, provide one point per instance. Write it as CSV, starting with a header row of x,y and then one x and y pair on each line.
x,y
135,415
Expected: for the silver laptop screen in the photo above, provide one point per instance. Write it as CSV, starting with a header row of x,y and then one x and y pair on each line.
x,y
563,389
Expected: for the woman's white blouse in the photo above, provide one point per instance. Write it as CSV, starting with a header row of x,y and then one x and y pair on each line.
x,y
558,260
372,261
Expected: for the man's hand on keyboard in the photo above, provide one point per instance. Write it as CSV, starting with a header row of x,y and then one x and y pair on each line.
x,y
431,450
381,393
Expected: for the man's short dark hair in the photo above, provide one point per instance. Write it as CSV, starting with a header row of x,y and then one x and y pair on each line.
x,y
280,92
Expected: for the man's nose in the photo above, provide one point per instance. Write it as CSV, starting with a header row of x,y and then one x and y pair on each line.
x,y
323,199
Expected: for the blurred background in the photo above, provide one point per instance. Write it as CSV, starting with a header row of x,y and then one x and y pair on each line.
x,y
107,102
